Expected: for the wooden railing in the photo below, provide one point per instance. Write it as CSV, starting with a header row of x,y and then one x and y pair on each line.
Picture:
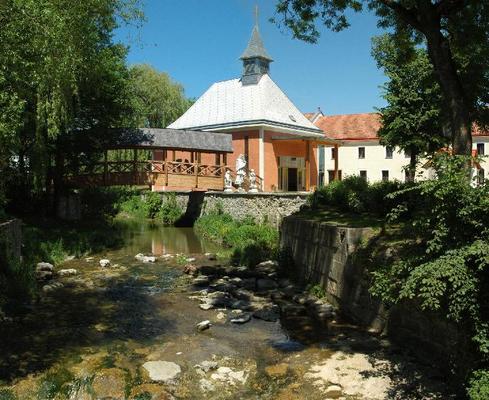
x,y
142,173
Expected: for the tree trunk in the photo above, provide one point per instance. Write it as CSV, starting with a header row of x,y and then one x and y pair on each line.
x,y
454,93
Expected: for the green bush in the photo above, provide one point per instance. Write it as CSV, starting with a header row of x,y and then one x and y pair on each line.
x,y
169,212
479,385
251,242
104,203
355,194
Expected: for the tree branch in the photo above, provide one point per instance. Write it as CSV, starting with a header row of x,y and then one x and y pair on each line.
x,y
446,7
408,15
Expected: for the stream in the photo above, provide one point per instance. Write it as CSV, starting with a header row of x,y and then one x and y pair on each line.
x,y
128,331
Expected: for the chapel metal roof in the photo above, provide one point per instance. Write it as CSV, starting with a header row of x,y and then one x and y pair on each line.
x,y
255,48
230,104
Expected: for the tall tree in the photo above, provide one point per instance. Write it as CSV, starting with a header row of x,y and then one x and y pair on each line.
x,y
456,33
157,99
61,74
413,117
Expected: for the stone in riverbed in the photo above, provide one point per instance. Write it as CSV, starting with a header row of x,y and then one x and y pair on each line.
x,y
333,391
44,271
211,256
206,306
218,299
266,284
67,272
109,384
241,319
203,325
206,366
52,287
44,266
162,371
104,263
145,259
201,280
228,375
150,391
269,312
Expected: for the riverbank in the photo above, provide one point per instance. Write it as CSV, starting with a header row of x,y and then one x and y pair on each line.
x,y
129,331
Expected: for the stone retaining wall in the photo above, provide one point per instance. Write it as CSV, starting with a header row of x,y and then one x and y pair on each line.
x,y
270,207
325,254
11,238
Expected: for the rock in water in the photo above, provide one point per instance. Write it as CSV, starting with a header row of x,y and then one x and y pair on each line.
x,y
269,313
104,263
66,272
206,306
202,326
162,371
266,284
145,259
44,266
241,319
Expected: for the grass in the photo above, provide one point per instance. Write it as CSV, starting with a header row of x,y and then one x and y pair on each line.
x,y
335,217
250,242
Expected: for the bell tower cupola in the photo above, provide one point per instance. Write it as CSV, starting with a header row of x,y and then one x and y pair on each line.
x,y
256,60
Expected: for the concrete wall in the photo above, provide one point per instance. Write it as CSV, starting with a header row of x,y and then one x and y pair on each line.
x,y
326,255
270,207
11,238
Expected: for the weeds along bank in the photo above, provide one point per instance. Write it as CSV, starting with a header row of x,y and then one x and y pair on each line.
x,y
250,242
429,250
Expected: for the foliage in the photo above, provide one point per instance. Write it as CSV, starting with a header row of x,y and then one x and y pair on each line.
x,y
317,291
479,385
63,82
455,34
251,242
355,194
53,383
170,212
53,242
17,281
152,205
446,268
104,203
157,100
412,119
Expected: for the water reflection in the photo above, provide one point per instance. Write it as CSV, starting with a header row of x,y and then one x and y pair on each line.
x,y
150,237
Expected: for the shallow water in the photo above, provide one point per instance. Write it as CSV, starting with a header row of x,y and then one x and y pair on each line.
x,y
90,338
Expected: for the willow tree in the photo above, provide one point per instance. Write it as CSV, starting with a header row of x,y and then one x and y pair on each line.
x,y
60,73
456,35
157,100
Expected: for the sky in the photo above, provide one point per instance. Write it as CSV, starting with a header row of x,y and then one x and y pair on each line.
x,y
198,42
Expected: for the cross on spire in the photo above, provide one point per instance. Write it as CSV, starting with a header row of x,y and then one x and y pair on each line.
x,y
256,14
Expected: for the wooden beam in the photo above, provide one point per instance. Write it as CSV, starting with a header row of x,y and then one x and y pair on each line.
x,y
173,155
196,172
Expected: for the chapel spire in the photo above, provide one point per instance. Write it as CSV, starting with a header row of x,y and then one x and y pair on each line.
x,y
256,60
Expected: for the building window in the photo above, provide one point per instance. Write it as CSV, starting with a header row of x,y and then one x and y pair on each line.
x,y
481,176
333,153
361,152
385,176
363,174
480,149
388,152
331,175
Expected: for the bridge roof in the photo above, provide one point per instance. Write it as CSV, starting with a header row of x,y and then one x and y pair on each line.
x,y
174,139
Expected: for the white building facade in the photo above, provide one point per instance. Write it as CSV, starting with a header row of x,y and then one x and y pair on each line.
x,y
361,154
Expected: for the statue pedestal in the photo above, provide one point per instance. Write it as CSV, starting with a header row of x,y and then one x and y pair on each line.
x,y
228,190
253,190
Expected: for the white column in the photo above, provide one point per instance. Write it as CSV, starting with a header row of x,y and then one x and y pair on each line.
x,y
261,156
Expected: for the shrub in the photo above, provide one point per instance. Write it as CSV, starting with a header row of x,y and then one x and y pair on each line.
x,y
355,194
170,211
479,385
251,242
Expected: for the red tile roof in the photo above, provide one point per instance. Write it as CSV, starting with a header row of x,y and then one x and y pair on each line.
x,y
350,126
361,126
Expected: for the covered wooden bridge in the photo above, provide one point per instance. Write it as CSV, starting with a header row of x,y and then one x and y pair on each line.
x,y
180,159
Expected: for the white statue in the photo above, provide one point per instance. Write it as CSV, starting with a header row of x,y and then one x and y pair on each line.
x,y
240,172
228,181
253,186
